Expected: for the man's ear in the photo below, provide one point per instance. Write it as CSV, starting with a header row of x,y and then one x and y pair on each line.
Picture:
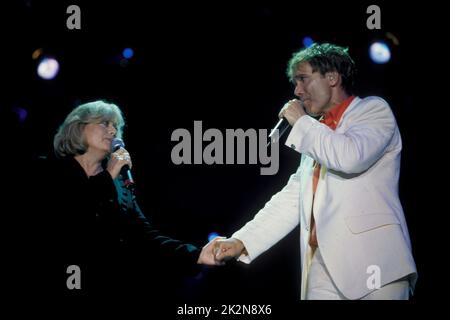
x,y
333,78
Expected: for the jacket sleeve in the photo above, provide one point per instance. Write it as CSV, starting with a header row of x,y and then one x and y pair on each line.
x,y
273,222
369,131
139,232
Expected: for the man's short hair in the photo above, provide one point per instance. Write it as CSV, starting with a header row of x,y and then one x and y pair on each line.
x,y
325,58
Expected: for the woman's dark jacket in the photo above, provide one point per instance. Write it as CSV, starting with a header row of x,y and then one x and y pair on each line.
x,y
96,224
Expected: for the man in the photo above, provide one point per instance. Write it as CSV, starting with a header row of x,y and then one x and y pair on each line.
x,y
354,238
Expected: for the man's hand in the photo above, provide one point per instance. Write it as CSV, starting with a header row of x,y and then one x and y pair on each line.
x,y
292,111
227,249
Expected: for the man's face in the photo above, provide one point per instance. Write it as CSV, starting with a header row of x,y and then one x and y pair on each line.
x,y
313,89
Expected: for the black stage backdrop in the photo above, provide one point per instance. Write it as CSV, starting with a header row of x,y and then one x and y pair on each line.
x,y
222,63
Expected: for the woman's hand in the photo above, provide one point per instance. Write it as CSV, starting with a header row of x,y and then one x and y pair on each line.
x,y
117,160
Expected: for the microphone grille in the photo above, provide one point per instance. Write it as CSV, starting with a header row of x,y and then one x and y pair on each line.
x,y
116,144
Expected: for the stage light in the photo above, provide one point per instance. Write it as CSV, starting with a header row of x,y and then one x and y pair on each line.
x,y
379,52
48,68
128,53
308,42
212,235
37,53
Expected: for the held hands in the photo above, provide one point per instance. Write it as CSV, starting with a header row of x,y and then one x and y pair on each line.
x,y
219,250
117,160
292,111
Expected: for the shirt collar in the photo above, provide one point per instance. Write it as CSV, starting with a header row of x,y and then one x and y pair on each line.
x,y
332,117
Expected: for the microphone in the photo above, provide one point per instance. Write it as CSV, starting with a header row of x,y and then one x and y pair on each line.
x,y
125,171
281,126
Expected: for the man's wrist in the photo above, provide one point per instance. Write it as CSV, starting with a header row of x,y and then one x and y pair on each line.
x,y
242,248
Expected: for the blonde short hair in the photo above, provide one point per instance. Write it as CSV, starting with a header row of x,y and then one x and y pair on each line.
x,y
69,139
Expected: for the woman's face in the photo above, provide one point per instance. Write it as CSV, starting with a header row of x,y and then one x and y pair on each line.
x,y
98,136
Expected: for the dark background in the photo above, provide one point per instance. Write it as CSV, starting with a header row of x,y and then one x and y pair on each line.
x,y
222,63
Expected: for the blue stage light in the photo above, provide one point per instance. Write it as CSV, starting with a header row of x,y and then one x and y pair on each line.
x,y
212,235
128,53
308,42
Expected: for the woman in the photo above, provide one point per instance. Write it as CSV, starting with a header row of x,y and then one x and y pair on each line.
x,y
95,222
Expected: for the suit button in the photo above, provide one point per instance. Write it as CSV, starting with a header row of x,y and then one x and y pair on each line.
x,y
293,146
307,228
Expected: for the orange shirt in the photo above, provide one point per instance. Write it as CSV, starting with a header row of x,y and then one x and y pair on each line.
x,y
331,119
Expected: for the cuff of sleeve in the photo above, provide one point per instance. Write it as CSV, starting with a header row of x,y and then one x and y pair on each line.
x,y
250,256
298,131
245,259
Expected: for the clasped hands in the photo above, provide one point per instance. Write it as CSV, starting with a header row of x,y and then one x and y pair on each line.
x,y
219,250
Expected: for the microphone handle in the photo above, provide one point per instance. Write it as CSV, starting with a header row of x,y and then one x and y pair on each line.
x,y
277,126
284,128
281,126
125,172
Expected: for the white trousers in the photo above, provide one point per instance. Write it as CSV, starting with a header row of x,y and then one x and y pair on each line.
x,y
320,286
